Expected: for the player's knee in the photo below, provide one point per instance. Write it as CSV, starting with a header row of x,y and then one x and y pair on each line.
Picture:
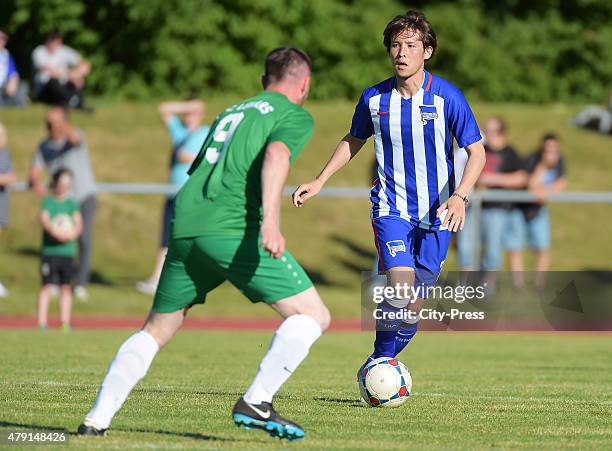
x,y
325,318
163,326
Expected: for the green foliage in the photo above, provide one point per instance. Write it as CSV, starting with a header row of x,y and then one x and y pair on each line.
x,y
551,50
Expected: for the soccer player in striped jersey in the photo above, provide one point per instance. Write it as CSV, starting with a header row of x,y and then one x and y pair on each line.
x,y
416,204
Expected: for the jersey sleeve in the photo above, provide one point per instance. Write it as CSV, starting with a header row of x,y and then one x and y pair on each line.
x,y
361,126
294,130
461,120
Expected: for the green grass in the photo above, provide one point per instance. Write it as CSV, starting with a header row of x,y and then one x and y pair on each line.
x,y
471,391
331,237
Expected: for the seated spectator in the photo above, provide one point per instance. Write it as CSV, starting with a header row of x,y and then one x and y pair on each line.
x,y
12,91
65,147
546,170
503,170
596,117
7,178
60,73
187,134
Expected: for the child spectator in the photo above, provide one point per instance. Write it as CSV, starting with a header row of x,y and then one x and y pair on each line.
x,y
12,91
65,147
7,178
60,73
62,225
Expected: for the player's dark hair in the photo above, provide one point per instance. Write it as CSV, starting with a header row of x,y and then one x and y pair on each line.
x,y
55,177
283,61
414,21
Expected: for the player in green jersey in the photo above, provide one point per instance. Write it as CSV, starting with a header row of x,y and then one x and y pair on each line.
x,y
226,227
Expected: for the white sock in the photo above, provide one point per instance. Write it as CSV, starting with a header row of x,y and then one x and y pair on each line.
x,y
288,349
131,363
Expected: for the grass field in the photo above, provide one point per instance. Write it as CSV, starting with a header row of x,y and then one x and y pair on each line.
x,y
331,238
471,391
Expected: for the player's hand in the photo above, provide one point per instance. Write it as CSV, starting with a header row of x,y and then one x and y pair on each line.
x,y
305,192
272,240
455,215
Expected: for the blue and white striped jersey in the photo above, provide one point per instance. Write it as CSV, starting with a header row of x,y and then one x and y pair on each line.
x,y
413,142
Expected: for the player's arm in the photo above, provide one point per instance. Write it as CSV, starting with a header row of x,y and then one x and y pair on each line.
x,y
346,149
455,217
275,169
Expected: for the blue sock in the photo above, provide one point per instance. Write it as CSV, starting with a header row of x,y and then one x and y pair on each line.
x,y
386,331
404,335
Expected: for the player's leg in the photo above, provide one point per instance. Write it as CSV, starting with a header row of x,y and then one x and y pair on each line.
x,y
284,285
306,318
393,238
178,290
128,367
431,248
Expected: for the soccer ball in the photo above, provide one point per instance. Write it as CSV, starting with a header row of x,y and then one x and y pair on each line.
x,y
62,223
384,382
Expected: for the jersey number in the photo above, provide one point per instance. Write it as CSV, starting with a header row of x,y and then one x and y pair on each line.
x,y
222,136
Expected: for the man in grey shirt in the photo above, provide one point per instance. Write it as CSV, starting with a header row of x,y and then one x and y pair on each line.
x,y
65,147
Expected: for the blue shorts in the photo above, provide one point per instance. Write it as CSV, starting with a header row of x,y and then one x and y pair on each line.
x,y
400,243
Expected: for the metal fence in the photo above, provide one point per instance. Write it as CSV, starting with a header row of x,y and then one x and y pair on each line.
x,y
343,192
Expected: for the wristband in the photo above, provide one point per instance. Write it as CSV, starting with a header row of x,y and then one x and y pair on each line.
x,y
464,199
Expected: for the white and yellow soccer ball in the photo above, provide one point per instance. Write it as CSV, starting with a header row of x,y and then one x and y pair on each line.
x,y
385,382
62,222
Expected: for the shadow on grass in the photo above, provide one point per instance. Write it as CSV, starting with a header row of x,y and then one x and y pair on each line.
x,y
192,435
347,402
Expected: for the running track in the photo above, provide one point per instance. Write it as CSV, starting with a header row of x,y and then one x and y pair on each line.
x,y
131,322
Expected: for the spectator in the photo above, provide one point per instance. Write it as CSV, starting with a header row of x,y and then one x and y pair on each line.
x,y
546,170
12,91
187,134
503,170
596,117
65,147
62,224
7,178
59,73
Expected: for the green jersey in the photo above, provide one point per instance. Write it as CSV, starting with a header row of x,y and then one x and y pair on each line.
x,y
223,193
61,213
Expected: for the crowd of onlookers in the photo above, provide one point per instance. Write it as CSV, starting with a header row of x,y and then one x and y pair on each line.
x,y
511,227
59,74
